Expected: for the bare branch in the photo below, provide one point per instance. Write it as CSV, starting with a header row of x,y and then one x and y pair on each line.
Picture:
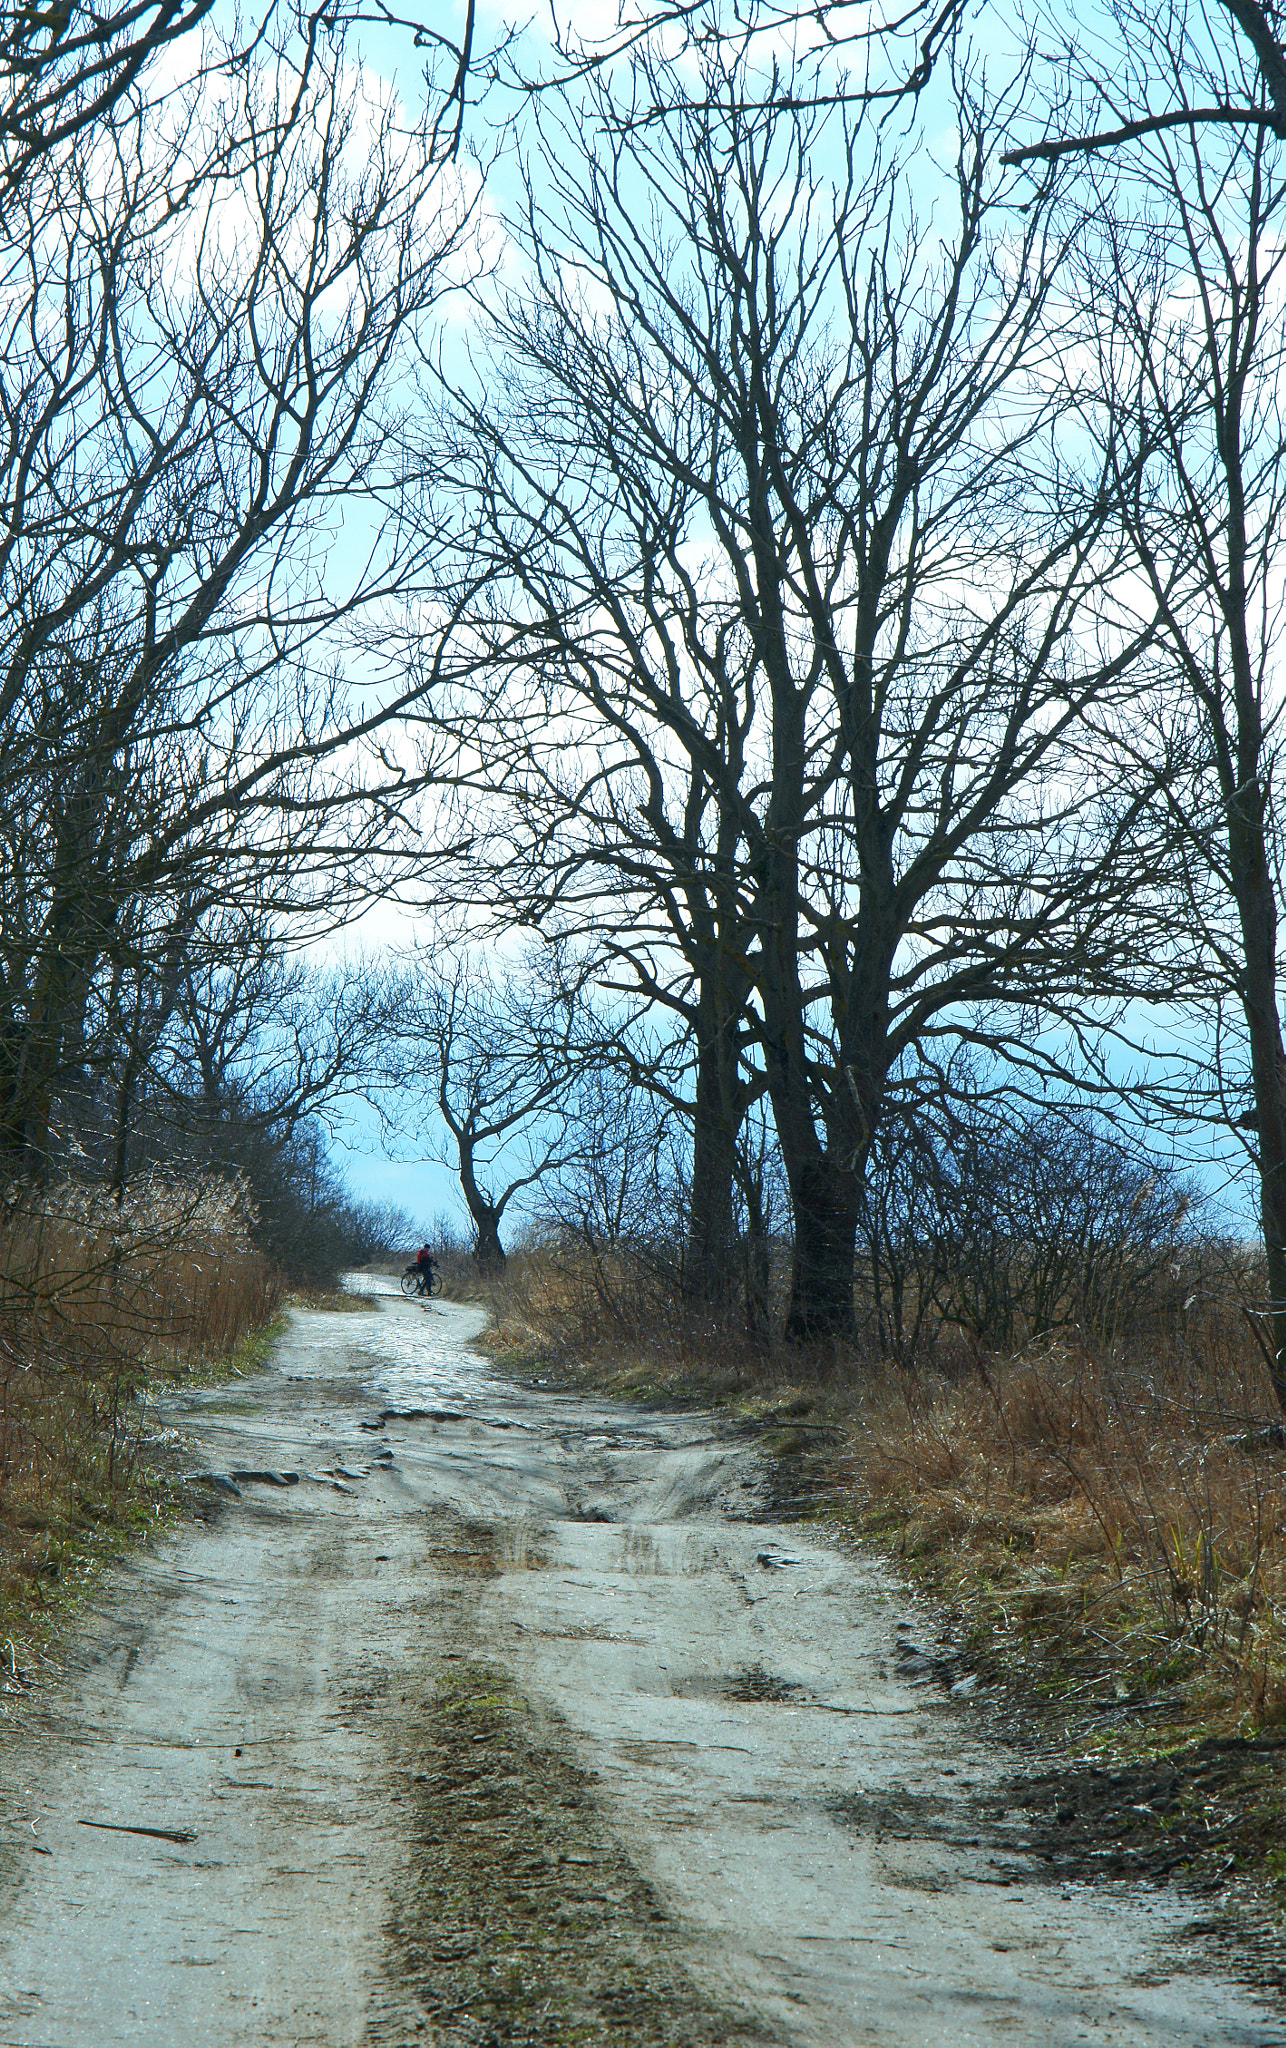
x,y
1148,124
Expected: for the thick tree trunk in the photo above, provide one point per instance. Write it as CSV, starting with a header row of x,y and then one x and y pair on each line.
x,y
824,1197
712,1261
35,1055
27,1107
13,1129
824,1124
1251,869
487,1248
824,1162
1258,912
821,1290
823,1192
711,1264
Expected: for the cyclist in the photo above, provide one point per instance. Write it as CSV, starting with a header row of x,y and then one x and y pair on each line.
x,y
427,1266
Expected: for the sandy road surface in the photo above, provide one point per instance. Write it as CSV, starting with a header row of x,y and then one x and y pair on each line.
x,y
710,1806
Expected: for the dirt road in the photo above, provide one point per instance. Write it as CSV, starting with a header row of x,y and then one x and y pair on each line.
x,y
483,1716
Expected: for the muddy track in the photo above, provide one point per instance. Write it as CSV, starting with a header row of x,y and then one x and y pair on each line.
x,y
469,1714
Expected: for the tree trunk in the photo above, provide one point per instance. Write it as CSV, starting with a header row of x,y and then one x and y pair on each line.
x,y
28,1105
487,1248
825,1202
821,1288
1250,866
710,1268
33,1060
757,1262
1258,913
823,1168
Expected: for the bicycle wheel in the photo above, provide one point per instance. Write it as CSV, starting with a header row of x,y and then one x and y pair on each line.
x,y
411,1281
435,1283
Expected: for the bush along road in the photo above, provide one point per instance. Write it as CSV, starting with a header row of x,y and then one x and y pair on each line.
x,y
473,1714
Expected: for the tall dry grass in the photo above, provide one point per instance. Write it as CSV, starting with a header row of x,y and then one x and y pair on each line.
x,y
170,1271
572,1308
1122,1515
1113,1513
96,1300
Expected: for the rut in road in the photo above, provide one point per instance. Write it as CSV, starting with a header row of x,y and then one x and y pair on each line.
x,y
473,1714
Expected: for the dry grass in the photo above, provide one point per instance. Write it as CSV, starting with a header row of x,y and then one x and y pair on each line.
x,y
1120,1521
95,1302
335,1301
1109,1524
623,1321
171,1272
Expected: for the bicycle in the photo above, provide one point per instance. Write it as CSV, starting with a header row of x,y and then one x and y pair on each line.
x,y
415,1283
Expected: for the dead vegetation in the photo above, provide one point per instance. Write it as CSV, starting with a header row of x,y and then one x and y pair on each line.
x,y
1100,1522
1118,1523
169,1271
97,1302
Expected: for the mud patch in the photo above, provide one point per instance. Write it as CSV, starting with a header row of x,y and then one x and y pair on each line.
x,y
1210,1819
1197,1819
522,1921
751,1685
896,1815
467,1549
1200,1814
1194,1817
795,1483
754,1683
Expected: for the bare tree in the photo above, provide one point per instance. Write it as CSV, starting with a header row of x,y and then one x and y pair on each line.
x,y
684,953
139,1000
1190,346
67,69
494,1052
259,1038
614,1191
842,52
790,618
1204,71
1050,1219
208,306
